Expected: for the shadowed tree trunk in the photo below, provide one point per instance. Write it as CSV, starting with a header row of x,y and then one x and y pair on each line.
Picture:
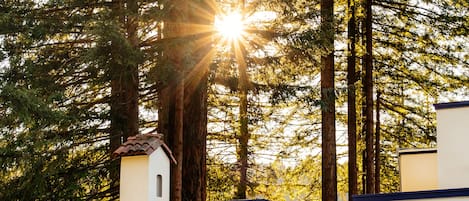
x,y
351,102
368,92
182,114
195,108
244,135
124,84
329,164
178,137
195,134
171,113
377,145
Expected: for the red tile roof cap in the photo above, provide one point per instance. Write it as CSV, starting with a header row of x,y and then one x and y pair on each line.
x,y
143,144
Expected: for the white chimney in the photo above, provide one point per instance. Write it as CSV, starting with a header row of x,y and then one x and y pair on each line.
x,y
453,144
418,169
145,169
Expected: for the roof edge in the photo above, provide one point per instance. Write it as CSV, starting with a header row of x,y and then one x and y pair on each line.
x,y
414,195
141,139
449,105
417,151
168,152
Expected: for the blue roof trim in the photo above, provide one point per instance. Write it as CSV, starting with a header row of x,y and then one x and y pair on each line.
x,y
451,105
458,192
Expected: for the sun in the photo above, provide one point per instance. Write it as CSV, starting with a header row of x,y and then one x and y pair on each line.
x,y
230,26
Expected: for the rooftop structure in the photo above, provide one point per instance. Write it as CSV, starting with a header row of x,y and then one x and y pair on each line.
x,y
145,168
439,175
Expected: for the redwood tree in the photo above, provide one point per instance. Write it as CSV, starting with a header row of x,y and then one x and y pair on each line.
x,y
329,164
182,114
171,94
351,101
124,82
368,92
378,145
195,103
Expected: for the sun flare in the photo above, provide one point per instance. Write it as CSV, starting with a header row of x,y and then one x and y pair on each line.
x,y
230,26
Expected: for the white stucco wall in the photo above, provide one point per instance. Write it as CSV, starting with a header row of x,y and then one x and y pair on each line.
x,y
134,176
138,177
453,146
159,164
418,171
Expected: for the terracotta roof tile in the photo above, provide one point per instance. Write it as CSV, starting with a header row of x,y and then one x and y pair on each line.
x,y
143,144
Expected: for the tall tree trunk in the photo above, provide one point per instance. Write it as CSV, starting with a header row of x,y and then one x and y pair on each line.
x,y
166,123
115,130
178,136
195,111
131,84
182,115
124,86
195,136
351,102
243,139
377,145
171,114
244,135
363,168
368,91
329,163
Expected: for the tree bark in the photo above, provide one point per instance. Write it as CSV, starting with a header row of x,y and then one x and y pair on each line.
x,y
171,114
351,102
329,163
195,136
132,81
124,86
195,111
244,135
178,149
368,91
377,145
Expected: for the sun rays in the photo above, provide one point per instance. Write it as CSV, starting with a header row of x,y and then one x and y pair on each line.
x,y
212,29
238,31
230,26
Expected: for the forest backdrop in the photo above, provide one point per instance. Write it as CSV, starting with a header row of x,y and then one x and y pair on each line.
x,y
244,117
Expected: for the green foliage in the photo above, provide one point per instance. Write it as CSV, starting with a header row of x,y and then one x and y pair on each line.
x,y
55,90
54,130
220,180
420,58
